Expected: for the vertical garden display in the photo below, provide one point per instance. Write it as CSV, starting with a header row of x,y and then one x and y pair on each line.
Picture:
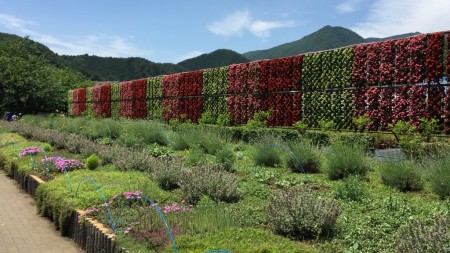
x,y
154,97
385,81
416,104
402,71
373,108
170,93
244,89
190,105
373,64
115,101
435,57
89,102
359,70
400,108
277,77
416,49
215,83
387,60
79,101
139,106
70,103
102,100
126,100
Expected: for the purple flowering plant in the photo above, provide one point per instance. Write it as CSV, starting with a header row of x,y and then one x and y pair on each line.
x,y
30,151
60,163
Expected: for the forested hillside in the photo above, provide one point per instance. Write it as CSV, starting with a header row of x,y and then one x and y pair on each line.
x,y
33,78
218,58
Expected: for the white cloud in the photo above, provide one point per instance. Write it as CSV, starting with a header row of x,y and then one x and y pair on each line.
x,y
262,28
100,45
388,17
189,55
348,6
237,22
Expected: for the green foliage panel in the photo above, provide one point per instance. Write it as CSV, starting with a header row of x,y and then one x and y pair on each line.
x,y
115,101
154,97
215,83
70,103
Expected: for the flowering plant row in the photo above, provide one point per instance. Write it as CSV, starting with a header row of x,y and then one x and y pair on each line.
x,y
102,100
79,100
282,74
243,80
30,151
215,82
89,102
115,101
132,99
170,89
63,163
191,84
154,97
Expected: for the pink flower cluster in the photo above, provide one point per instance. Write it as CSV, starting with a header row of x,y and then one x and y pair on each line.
x,y
176,208
62,163
86,212
127,230
30,151
132,195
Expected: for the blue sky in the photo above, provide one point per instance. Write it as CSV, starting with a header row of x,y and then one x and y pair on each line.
x,y
173,30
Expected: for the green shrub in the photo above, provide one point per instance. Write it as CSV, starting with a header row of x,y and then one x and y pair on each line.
x,y
299,213
308,156
403,175
195,157
318,138
326,125
219,185
365,141
92,162
167,175
300,126
208,141
207,118
258,120
361,123
48,147
351,188
158,151
266,153
416,237
178,142
223,120
226,158
440,177
344,160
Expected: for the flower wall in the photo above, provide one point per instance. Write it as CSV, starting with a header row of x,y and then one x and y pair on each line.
x,y
280,82
102,100
215,88
79,102
385,81
191,102
115,101
133,99
244,89
170,92
70,103
154,97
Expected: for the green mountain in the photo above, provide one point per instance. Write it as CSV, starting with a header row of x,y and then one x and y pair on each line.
x,y
218,58
119,69
327,37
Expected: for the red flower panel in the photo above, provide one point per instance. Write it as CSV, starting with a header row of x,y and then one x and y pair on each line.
x,y
79,101
387,67
401,104
416,49
102,100
417,104
191,84
402,71
435,54
170,93
359,67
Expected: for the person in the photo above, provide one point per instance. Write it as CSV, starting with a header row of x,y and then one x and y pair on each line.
x,y
9,116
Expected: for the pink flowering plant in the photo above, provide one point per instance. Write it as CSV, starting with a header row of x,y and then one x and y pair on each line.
x,y
30,151
134,216
58,164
